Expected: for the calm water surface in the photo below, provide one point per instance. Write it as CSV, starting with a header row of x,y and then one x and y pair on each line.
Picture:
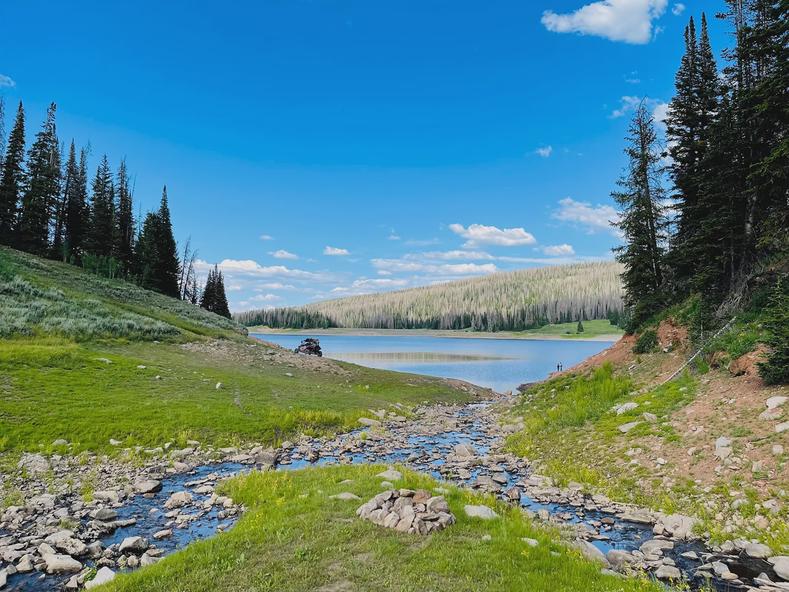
x,y
501,364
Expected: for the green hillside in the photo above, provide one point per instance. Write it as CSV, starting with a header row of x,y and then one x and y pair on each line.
x,y
88,359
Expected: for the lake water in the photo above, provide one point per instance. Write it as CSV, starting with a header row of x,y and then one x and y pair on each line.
x,y
500,364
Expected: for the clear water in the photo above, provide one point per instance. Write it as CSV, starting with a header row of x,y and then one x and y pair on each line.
x,y
500,364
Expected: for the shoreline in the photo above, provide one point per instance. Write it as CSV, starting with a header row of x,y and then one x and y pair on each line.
x,y
503,335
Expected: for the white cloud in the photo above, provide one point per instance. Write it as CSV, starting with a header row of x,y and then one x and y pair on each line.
x,y
451,255
618,20
633,78
335,252
562,250
393,237
479,234
593,218
266,237
444,269
678,9
274,286
544,151
422,243
249,268
660,112
6,81
629,103
264,298
283,254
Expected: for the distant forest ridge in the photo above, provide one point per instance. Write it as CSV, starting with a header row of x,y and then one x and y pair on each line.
x,y
508,301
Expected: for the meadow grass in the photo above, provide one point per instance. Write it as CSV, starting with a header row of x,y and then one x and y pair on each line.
x,y
293,538
595,328
150,393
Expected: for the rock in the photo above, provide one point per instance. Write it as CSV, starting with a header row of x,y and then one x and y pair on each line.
x,y
104,575
778,450
64,541
178,500
61,564
109,495
147,486
148,559
366,421
114,442
345,496
407,511
757,550
390,475
483,512
162,534
650,417
218,386
464,451
655,546
591,552
530,542
776,402
133,544
34,464
105,514
626,427
723,447
780,565
618,558
60,442
625,407
678,526
782,427
668,572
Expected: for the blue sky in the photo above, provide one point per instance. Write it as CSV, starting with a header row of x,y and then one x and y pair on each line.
x,y
322,148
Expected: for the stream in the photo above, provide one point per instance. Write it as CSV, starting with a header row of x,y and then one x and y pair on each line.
x,y
457,444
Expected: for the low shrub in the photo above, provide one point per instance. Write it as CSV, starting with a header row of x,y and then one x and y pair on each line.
x,y
646,342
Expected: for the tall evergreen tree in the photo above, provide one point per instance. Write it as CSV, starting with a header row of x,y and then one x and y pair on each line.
x,y
59,214
642,221
70,182
2,132
214,298
98,238
77,211
168,270
43,189
12,181
123,248
157,257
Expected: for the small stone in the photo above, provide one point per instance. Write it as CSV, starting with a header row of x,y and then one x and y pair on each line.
x,y
668,572
483,512
345,496
218,386
757,550
163,534
390,474
178,500
626,427
61,564
104,575
782,427
530,542
778,450
776,402
133,544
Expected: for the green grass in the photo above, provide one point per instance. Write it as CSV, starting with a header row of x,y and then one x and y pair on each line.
x,y
39,297
574,413
55,388
293,538
594,328
73,349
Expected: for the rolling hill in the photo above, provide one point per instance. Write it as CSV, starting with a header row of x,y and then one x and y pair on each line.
x,y
515,300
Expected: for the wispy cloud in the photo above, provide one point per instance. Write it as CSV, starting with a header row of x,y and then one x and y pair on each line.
x,y
455,255
335,252
443,269
283,254
617,20
6,81
250,268
633,78
629,103
563,250
422,242
594,218
479,234
266,237
544,151
678,9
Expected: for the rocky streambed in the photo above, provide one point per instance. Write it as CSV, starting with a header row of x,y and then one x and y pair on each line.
x,y
58,540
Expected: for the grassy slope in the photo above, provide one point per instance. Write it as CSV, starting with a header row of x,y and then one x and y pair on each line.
x,y
69,368
294,538
571,433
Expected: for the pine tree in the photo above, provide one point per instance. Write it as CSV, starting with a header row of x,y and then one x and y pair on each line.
x,y
580,327
12,181
70,182
214,298
168,268
59,215
775,370
98,238
157,257
2,132
77,211
642,222
43,189
123,247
